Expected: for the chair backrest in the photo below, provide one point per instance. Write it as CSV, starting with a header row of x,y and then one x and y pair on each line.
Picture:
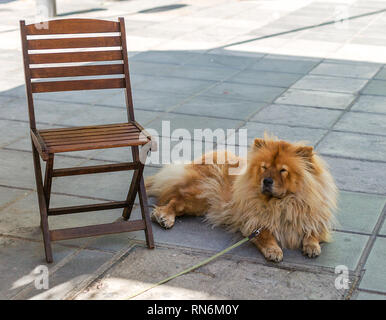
x,y
75,48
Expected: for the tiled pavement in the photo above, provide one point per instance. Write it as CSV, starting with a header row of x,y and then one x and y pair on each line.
x,y
315,84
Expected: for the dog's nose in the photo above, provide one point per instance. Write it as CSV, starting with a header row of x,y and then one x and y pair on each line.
x,y
268,182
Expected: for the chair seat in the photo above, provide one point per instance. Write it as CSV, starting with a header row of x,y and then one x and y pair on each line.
x,y
91,137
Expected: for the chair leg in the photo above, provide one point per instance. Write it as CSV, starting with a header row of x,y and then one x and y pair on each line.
x,y
134,186
48,179
42,204
145,214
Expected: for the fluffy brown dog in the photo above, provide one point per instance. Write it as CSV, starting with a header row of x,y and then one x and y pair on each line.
x,y
282,187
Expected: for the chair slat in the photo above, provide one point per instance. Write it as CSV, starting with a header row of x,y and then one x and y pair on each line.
x,y
115,125
72,26
68,43
54,86
50,138
64,57
106,138
97,145
95,70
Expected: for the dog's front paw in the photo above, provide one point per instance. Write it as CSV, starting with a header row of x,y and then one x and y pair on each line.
x,y
165,221
311,250
274,254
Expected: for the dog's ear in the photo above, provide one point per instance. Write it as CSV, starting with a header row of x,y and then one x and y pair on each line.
x,y
258,143
305,152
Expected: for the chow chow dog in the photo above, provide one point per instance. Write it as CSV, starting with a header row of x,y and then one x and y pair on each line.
x,y
283,188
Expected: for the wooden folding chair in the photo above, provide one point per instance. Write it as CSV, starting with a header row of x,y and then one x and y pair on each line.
x,y
46,143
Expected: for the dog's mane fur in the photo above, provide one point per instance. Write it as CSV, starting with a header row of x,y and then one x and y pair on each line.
x,y
306,212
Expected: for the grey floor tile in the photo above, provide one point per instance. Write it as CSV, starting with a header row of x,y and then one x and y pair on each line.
x,y
18,260
285,65
203,73
176,85
363,295
138,68
190,232
345,70
245,91
358,175
383,229
266,78
293,134
220,107
376,87
10,195
70,275
222,60
11,131
297,116
170,56
22,218
375,277
316,99
381,75
345,249
357,146
362,122
331,84
189,124
367,103
16,169
359,212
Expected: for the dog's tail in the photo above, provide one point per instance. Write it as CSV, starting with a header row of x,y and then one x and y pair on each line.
x,y
149,183
163,180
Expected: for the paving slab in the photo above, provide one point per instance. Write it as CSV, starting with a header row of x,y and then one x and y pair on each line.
x,y
174,57
203,72
345,70
176,85
293,134
69,276
363,295
359,212
381,75
17,168
353,145
331,84
375,278
222,279
18,260
363,123
10,195
358,175
278,64
245,91
266,78
344,249
11,131
376,87
368,103
189,123
222,60
316,99
297,116
219,107
146,100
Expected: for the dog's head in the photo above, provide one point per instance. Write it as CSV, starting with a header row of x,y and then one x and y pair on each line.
x,y
277,167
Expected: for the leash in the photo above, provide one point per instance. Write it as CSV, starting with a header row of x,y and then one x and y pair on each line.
x,y
237,244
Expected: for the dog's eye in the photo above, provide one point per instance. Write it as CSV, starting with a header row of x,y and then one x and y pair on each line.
x,y
283,170
264,167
